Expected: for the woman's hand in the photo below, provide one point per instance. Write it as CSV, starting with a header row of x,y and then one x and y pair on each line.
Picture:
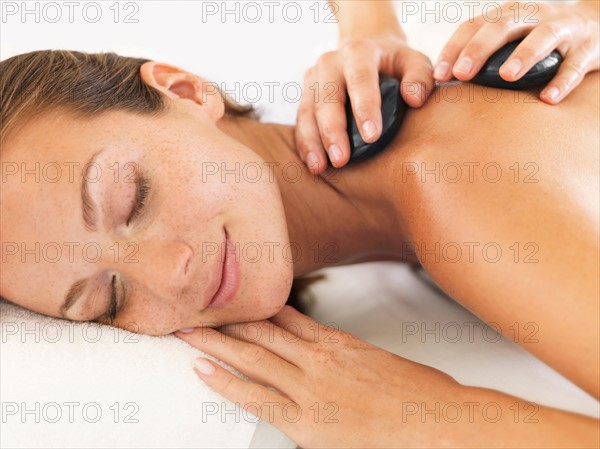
x,y
571,29
332,389
325,388
355,67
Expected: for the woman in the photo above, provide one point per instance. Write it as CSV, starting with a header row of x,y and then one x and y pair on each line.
x,y
142,204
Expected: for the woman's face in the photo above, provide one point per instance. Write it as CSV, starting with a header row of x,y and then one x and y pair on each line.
x,y
140,205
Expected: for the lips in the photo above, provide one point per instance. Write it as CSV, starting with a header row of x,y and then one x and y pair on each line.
x,y
229,279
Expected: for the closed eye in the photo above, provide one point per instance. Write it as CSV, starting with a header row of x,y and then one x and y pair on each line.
x,y
143,189
111,313
115,303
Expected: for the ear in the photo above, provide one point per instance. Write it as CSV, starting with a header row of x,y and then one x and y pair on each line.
x,y
176,83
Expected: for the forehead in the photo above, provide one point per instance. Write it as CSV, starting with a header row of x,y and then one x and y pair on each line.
x,y
41,162
44,162
60,136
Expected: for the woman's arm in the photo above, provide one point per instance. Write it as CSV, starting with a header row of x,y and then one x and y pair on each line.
x,y
590,7
361,19
500,420
334,390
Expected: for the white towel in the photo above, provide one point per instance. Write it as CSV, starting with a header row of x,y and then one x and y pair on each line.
x,y
71,384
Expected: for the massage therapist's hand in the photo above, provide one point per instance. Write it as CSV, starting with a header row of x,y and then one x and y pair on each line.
x,y
571,29
321,119
326,387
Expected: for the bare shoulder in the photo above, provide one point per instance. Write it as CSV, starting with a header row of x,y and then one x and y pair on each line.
x,y
470,122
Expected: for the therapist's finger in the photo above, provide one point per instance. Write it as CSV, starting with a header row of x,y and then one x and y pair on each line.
x,y
536,46
361,73
417,79
256,399
453,48
570,74
253,360
329,109
306,134
482,45
279,340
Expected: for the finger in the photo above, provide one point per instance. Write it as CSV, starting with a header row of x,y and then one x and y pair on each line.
x,y
308,140
449,54
256,399
417,79
536,46
305,327
482,45
278,340
255,361
306,135
361,72
329,110
570,74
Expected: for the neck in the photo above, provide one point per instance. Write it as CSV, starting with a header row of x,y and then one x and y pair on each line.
x,y
341,217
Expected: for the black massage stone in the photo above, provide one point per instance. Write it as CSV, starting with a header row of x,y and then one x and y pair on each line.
x,y
539,75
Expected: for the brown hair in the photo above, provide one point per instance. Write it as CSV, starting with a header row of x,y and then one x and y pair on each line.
x,y
87,84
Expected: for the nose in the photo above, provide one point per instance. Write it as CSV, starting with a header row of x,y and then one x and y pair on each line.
x,y
161,266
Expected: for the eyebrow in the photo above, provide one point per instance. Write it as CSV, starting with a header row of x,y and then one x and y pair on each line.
x,y
88,207
89,220
73,295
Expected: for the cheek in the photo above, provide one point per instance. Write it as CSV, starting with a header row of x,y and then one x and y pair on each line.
x,y
253,211
232,187
265,254
220,184
151,316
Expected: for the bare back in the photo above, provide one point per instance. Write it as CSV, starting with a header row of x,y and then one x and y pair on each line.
x,y
501,194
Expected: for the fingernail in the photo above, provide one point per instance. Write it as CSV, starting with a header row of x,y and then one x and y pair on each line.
x,y
513,67
335,152
441,70
204,366
187,330
369,129
463,66
553,93
312,160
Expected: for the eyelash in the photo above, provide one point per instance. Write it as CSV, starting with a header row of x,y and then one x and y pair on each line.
x,y
143,190
112,312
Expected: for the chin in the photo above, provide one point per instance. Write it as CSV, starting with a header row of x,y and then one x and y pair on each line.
x,y
266,302
273,307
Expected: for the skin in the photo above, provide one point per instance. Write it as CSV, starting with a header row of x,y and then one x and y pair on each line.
x,y
381,209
